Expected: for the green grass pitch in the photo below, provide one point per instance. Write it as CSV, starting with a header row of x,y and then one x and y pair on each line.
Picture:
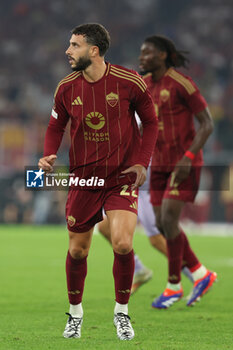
x,y
33,298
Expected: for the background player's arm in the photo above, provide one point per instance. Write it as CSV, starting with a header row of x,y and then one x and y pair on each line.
x,y
206,127
145,109
183,167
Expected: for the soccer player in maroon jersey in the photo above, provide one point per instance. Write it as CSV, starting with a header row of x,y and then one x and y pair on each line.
x,y
177,159
100,100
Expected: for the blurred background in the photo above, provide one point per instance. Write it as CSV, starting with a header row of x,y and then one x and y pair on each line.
x,y
34,36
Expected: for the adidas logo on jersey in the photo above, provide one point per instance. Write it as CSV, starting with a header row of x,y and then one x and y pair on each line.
x,y
77,101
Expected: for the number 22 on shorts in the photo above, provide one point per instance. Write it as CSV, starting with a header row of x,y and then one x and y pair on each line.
x,y
126,192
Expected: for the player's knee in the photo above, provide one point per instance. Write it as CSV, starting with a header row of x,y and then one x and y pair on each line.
x,y
159,223
159,226
78,252
122,246
167,222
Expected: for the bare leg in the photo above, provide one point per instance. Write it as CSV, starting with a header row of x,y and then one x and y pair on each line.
x,y
104,229
159,243
170,216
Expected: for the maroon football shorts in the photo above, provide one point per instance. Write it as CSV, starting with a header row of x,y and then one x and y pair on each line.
x,y
84,207
162,186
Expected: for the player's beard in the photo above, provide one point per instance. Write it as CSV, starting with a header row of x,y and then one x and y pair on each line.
x,y
82,64
143,72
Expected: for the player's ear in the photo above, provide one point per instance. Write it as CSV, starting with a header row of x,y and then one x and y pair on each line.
x,y
163,55
94,51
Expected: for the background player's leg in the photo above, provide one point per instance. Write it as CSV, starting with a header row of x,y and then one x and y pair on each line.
x,y
104,229
170,214
170,221
76,271
148,219
159,242
179,250
158,213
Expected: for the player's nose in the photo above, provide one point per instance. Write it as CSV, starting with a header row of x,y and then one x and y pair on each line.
x,y
67,52
140,57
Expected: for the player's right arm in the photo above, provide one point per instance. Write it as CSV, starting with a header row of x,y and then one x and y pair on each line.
x,y
53,137
46,163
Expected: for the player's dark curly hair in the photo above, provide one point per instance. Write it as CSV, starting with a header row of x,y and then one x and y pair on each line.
x,y
95,34
174,58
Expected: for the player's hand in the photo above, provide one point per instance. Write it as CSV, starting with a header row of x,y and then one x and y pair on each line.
x,y
46,163
140,170
182,170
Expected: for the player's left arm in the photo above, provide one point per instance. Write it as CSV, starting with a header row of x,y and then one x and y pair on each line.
x,y
201,111
144,107
206,127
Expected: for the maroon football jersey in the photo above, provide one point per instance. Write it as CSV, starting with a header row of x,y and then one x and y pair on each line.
x,y
177,99
104,133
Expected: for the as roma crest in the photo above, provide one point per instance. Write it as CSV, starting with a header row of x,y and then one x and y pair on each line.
x,y
164,95
112,99
71,220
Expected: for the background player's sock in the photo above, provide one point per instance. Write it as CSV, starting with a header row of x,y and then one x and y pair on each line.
x,y
198,272
138,265
123,270
76,310
76,271
175,249
121,308
173,286
189,257
188,274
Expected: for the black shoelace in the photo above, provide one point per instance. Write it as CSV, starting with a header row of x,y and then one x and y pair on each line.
x,y
74,322
124,321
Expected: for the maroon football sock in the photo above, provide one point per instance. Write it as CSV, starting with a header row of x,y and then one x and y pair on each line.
x,y
76,271
175,258
189,257
123,270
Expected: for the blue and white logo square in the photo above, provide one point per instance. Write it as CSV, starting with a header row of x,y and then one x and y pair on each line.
x,y
35,178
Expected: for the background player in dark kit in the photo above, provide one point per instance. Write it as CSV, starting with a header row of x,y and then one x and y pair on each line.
x,y
177,159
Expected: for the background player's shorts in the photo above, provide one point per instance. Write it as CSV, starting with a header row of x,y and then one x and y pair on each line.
x,y
162,186
84,208
146,214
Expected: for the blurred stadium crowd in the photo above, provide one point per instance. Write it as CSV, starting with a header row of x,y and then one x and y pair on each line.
x,y
34,36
